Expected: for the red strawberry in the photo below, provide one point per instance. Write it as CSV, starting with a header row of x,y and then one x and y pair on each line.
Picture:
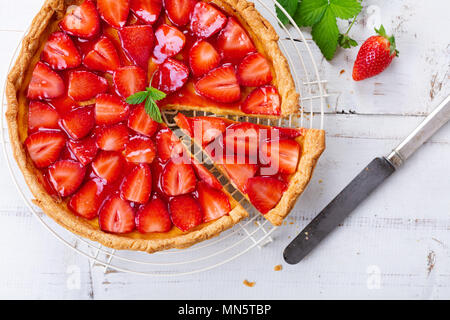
x,y
42,116
184,123
113,138
283,154
203,58
82,21
137,41
157,170
146,10
204,175
44,147
207,20
137,185
265,192
263,100
114,12
214,203
66,176
280,133
206,129
110,109
169,42
60,52
108,166
170,76
153,217
45,83
129,80
141,122
185,212
84,85
179,11
84,150
178,178
103,57
242,139
116,216
233,42
375,55
240,173
168,145
220,85
254,71
87,200
140,150
78,123
63,104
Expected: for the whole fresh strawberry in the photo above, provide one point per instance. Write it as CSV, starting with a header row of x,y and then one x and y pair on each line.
x,y
375,55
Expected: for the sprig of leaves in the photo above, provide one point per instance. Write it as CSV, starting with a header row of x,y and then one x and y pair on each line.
x,y
150,96
321,16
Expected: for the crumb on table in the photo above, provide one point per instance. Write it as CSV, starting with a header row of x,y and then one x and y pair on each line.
x,y
278,268
248,283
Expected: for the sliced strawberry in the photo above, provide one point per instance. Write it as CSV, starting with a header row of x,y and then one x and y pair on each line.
x,y
283,154
108,166
207,20
220,85
45,83
242,140
263,100
265,192
214,203
233,42
113,138
84,150
168,145
146,10
184,123
141,122
157,170
179,11
110,109
60,52
178,178
206,129
87,200
169,42
78,123
153,217
170,76
240,173
129,80
284,133
103,57
204,175
137,185
63,104
185,212
203,58
254,71
66,176
82,21
44,147
138,43
84,85
116,216
42,116
114,12
140,150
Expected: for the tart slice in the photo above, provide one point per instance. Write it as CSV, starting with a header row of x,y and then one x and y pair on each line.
x,y
271,166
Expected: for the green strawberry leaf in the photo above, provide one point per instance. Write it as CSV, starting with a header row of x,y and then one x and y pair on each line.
x,y
345,9
290,6
310,12
325,34
346,42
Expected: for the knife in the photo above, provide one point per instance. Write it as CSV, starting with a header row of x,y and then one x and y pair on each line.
x,y
362,186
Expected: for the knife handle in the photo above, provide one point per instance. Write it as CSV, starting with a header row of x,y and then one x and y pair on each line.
x,y
338,209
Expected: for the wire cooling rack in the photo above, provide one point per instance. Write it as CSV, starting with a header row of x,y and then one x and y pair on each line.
x,y
253,232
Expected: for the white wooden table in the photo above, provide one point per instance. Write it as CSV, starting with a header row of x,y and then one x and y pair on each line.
x,y
395,245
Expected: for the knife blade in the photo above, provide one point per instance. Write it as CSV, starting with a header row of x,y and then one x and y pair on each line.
x,y
363,185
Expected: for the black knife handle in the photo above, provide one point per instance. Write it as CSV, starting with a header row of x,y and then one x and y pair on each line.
x,y
338,209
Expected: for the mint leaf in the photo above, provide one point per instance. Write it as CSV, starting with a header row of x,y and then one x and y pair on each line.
x,y
156,94
152,109
137,98
290,6
345,9
310,12
325,34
